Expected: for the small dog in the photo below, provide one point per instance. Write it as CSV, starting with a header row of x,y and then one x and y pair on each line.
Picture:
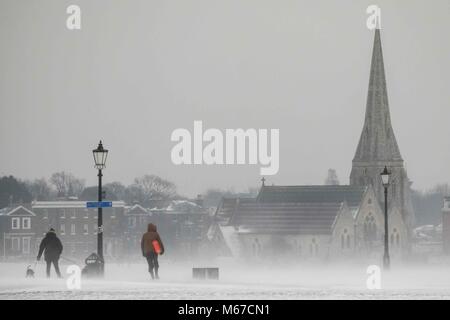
x,y
30,272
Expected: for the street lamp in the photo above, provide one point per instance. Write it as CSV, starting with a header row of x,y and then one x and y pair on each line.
x,y
100,155
385,180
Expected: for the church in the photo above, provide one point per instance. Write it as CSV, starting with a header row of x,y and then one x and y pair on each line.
x,y
329,221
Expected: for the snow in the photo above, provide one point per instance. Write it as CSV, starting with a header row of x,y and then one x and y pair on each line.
x,y
237,281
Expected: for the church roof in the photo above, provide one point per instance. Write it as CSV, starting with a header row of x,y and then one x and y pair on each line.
x,y
352,195
377,141
286,218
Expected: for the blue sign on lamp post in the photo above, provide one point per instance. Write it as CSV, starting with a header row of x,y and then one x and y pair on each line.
x,y
98,204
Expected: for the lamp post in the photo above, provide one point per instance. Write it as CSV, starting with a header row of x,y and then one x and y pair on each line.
x,y
100,155
385,180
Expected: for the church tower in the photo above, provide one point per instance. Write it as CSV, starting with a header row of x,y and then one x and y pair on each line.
x,y
377,145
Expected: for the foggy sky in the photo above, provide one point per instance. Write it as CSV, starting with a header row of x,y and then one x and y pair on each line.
x,y
137,70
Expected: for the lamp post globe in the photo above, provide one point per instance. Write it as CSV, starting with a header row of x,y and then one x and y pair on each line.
x,y
100,155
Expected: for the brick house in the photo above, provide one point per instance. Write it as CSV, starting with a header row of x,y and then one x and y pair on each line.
x,y
76,226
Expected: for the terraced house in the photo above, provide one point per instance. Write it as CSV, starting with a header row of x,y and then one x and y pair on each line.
x,y
76,226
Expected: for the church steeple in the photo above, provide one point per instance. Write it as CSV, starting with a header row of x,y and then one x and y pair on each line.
x,y
377,145
377,141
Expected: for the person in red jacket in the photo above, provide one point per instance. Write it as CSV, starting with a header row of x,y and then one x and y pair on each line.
x,y
151,246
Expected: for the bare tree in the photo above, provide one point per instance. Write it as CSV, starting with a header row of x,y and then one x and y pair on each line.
x,y
151,187
115,188
66,184
40,189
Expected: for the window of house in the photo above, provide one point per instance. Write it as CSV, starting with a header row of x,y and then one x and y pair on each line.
x,y
45,214
15,244
86,213
26,241
74,213
63,213
26,223
72,229
15,223
132,222
62,229
85,228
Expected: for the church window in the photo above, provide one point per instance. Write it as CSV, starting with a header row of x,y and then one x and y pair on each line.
x,y
345,240
370,229
395,238
256,247
314,247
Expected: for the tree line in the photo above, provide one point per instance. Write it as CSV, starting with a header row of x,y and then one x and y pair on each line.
x,y
427,204
64,185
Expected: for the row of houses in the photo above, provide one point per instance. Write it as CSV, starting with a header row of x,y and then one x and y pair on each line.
x,y
300,222
182,225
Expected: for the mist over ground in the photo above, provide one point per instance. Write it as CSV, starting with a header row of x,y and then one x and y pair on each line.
x,y
237,280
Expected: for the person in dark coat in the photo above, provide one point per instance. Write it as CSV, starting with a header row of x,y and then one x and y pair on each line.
x,y
148,249
52,248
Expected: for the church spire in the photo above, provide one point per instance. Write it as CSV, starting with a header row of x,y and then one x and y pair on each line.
x,y
377,141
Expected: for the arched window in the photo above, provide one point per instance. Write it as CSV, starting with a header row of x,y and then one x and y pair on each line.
x,y
370,228
345,240
256,248
395,238
314,247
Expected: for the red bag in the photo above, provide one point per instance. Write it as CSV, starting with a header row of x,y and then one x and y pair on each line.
x,y
156,246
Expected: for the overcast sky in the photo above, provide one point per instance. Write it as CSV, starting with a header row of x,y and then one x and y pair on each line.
x,y
137,70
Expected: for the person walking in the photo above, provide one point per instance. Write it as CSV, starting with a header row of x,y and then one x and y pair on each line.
x,y
152,246
52,248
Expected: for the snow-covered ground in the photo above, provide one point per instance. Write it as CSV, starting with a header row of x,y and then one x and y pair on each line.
x,y
237,281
